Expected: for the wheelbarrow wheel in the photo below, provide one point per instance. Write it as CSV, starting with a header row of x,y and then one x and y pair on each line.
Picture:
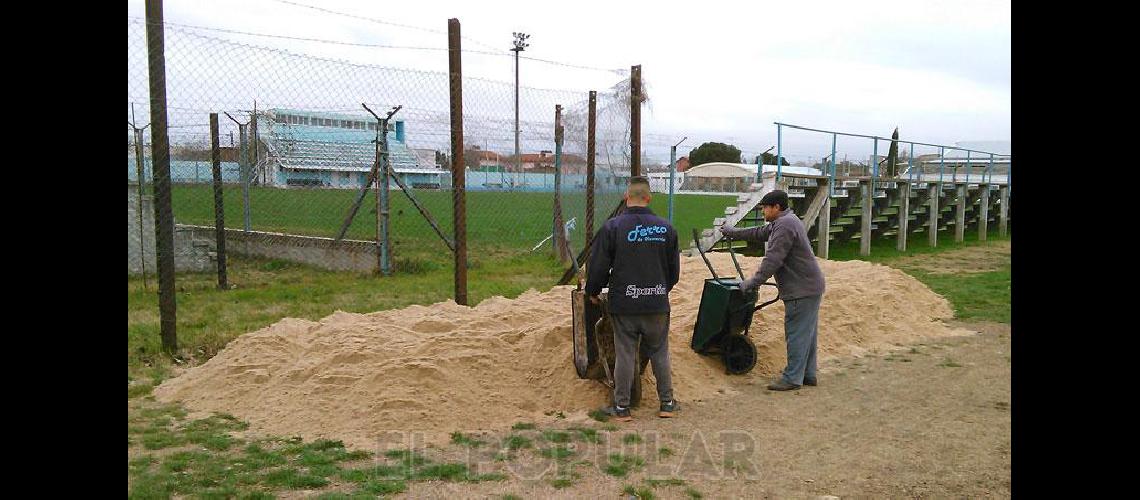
x,y
739,354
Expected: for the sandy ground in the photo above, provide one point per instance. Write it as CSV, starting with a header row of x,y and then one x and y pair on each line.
x,y
441,368
905,424
911,403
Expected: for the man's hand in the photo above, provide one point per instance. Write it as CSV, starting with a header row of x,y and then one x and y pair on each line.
x,y
594,299
748,285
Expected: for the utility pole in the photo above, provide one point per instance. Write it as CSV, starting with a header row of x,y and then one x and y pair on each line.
x,y
520,45
673,174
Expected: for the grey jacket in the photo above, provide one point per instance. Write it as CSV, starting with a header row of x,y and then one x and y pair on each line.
x,y
789,257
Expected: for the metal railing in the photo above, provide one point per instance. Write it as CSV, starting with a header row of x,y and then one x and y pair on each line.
x,y
910,172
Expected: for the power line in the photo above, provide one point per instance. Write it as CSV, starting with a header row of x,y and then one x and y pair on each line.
x,y
496,52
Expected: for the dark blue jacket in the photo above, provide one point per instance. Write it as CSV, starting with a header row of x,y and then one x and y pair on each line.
x,y
637,256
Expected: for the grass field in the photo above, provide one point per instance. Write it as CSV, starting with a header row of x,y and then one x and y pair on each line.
x,y
498,223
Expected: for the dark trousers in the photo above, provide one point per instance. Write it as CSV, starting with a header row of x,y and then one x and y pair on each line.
x,y
653,332
801,327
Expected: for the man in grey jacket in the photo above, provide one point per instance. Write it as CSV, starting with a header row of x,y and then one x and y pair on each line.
x,y
789,258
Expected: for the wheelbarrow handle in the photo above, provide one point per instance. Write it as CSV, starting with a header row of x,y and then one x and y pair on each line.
x,y
770,302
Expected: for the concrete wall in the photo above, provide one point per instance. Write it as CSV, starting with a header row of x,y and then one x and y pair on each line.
x,y
191,254
325,253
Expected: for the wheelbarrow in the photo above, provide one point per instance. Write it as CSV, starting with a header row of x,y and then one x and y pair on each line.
x,y
593,337
725,316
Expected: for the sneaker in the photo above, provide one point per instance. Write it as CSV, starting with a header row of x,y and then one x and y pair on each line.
x,y
619,413
668,409
811,381
780,385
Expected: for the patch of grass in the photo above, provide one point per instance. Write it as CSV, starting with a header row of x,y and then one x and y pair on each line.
x,y
354,475
442,472
587,434
599,415
503,457
407,457
979,296
134,391
619,465
516,442
557,452
555,436
631,439
510,497
461,439
562,482
665,452
140,465
161,439
294,479
664,482
640,493
523,426
693,493
609,427
949,363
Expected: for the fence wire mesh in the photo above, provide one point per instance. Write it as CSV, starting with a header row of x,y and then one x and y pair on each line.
x,y
297,147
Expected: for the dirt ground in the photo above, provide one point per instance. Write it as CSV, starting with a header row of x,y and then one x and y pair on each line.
x,y
929,419
968,260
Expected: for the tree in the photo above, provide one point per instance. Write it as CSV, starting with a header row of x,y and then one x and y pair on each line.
x,y
770,159
714,151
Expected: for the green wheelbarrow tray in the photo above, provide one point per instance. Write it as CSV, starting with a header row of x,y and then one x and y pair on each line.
x,y
724,318
593,338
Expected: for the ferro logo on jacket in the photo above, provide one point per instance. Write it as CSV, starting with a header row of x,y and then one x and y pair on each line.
x,y
647,233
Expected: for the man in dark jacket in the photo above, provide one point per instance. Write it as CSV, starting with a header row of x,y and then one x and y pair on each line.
x,y
637,256
788,256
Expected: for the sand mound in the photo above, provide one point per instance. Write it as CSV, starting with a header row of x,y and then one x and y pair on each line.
x,y
447,367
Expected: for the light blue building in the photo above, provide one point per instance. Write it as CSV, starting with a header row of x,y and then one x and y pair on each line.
x,y
305,148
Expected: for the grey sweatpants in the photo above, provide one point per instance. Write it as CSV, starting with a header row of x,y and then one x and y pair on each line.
x,y
653,331
801,327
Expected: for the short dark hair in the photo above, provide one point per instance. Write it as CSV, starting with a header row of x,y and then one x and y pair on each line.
x,y
776,197
639,186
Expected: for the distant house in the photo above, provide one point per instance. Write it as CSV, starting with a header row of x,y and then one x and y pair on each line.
x,y
543,163
683,164
490,160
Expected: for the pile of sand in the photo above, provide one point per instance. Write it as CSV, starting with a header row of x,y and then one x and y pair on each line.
x,y
447,367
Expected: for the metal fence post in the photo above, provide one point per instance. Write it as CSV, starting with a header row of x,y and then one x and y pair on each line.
x,y
672,178
779,155
635,121
590,152
458,172
832,174
160,162
219,212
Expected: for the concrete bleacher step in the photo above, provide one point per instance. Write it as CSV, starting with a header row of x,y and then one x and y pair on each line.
x,y
730,210
743,197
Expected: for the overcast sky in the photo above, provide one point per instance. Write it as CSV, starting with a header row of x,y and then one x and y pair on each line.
x,y
715,70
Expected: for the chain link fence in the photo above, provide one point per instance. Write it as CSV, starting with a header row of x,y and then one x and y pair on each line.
x,y
298,144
